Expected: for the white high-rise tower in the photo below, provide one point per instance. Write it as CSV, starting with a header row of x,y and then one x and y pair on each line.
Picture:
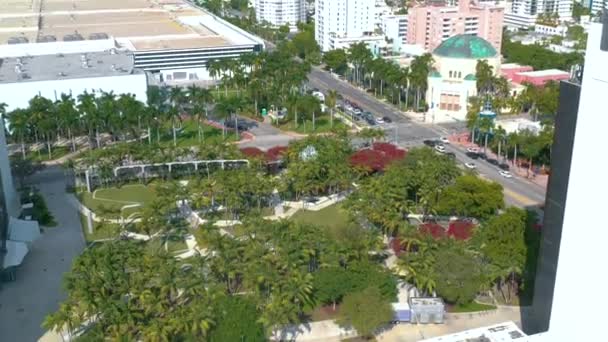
x,y
343,18
280,12
523,13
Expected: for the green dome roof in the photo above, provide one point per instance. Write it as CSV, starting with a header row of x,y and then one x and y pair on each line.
x,y
470,77
466,46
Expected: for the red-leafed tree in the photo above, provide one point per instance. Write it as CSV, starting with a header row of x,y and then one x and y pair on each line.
x,y
275,153
252,152
377,158
434,229
461,230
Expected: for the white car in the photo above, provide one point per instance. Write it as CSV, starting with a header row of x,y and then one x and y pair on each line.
x,y
505,174
444,140
440,148
470,166
473,150
379,121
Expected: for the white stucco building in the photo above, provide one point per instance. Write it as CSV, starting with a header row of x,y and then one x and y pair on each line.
x,y
280,12
394,28
523,13
343,19
22,78
452,81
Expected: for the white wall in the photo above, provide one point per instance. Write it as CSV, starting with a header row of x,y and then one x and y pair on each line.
x,y
344,18
577,315
13,202
17,95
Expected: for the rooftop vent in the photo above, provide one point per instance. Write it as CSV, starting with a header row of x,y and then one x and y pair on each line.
x,y
18,69
72,37
25,76
18,40
113,51
46,39
98,36
85,64
83,57
61,74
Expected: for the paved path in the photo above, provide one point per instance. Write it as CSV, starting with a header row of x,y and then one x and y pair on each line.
x,y
37,290
454,323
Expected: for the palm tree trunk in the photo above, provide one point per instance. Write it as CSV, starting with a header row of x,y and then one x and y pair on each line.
x,y
499,146
149,136
48,144
331,118
515,156
22,148
485,145
174,135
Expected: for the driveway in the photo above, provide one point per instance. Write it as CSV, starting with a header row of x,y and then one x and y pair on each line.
x,y
37,290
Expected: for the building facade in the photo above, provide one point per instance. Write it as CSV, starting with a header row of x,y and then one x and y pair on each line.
x,y
429,26
280,12
523,13
395,29
453,81
343,19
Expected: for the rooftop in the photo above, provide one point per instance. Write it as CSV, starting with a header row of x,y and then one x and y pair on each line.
x,y
504,332
466,46
541,73
68,66
140,23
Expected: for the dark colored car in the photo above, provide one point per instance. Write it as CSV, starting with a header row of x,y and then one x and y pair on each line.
x,y
504,166
482,156
371,121
387,119
472,155
430,143
492,161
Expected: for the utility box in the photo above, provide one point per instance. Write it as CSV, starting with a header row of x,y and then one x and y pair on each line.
x,y
427,310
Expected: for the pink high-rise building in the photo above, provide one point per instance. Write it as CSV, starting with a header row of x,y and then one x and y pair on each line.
x,y
429,25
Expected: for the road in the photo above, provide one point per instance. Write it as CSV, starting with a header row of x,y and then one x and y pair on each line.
x,y
518,191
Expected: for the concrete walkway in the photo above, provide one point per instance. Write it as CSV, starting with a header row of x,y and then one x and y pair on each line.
x,y
453,323
37,290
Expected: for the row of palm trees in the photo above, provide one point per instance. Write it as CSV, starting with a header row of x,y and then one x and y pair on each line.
x,y
96,113
388,79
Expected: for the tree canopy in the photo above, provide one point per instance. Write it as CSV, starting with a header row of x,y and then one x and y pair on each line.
x,y
365,311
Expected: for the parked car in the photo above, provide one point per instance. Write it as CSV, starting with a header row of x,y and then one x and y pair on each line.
x,y
429,143
482,156
473,150
504,166
472,155
505,174
440,148
492,161
387,119
379,121
444,140
470,165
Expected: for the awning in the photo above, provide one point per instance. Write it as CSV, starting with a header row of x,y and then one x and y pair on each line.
x,y
23,230
15,252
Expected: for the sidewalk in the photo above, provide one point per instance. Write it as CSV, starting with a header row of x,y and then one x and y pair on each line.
x,y
538,179
37,290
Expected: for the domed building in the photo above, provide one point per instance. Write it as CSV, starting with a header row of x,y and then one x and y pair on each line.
x,y
452,80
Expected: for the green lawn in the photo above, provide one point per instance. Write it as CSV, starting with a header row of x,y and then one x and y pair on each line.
x,y
331,217
100,231
110,200
322,125
470,307
188,134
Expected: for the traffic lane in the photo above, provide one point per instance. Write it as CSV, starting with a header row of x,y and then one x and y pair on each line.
x,y
515,189
324,81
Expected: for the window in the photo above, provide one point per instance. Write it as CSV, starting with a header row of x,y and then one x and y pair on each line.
x,y
450,73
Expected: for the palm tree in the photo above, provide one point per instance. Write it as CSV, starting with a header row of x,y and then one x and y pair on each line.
x,y
200,99
419,72
484,75
87,110
176,97
358,56
330,101
215,69
486,125
500,134
68,114
19,120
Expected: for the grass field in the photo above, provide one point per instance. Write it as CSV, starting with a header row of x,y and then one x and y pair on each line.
x,y
109,201
100,231
333,216
188,134
322,125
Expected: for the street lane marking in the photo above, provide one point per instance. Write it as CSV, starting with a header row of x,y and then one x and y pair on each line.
x,y
524,200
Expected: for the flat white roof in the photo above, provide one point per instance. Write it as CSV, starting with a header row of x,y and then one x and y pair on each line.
x,y
540,73
503,332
